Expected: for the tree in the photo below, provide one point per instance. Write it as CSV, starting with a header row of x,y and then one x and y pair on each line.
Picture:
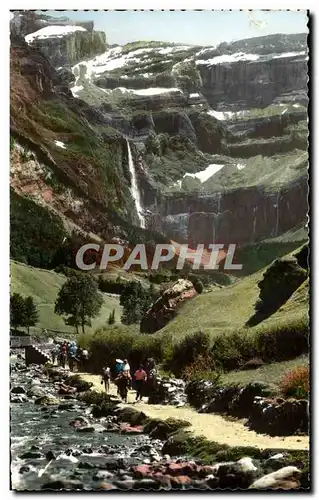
x,y
135,301
17,310
31,313
111,319
23,311
79,298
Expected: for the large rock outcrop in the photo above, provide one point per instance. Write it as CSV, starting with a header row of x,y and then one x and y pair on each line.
x,y
164,309
69,46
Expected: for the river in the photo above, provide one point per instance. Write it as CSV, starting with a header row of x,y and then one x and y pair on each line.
x,y
45,432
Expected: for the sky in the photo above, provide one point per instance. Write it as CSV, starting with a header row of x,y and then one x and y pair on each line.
x,y
189,27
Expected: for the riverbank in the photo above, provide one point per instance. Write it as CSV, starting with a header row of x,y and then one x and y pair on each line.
x,y
213,427
83,440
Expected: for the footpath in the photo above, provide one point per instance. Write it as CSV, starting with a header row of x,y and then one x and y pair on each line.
x,y
211,426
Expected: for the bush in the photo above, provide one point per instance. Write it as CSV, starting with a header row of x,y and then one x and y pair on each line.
x,y
296,383
185,352
283,341
200,369
119,341
231,351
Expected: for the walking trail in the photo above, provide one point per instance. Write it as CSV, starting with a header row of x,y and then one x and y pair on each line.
x,y
211,426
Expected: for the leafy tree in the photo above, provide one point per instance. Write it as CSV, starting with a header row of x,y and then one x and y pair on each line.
x,y
17,310
111,319
31,313
79,298
135,301
23,311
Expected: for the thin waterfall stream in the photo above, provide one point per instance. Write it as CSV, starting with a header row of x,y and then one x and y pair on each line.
x,y
134,187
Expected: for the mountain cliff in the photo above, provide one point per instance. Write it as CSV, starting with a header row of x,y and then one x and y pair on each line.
x,y
216,136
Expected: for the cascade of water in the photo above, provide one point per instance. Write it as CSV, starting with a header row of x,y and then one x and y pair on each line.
x,y
254,222
276,206
134,187
215,218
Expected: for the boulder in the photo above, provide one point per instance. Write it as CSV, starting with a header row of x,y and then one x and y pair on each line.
x,y
63,485
18,390
31,454
164,308
47,400
286,478
79,421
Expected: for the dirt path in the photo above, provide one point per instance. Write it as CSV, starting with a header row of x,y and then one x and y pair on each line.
x,y
213,427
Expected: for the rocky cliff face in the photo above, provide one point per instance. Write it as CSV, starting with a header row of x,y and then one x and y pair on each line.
x,y
218,135
66,46
256,83
241,216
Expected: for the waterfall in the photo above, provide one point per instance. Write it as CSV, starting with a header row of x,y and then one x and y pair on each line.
x,y
254,222
276,206
134,187
215,218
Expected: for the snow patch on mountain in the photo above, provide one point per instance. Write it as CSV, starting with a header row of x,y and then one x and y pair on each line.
x,y
52,32
60,144
289,54
228,58
204,175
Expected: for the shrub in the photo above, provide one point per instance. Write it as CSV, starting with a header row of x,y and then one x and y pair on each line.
x,y
118,341
185,352
231,351
296,383
201,369
283,341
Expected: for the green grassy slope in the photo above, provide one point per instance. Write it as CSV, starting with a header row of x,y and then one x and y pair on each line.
x,y
220,311
44,286
227,309
270,373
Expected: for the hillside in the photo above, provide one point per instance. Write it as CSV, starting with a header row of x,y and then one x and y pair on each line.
x,y
225,310
43,286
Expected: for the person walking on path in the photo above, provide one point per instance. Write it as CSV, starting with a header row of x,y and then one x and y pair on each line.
x,y
63,354
140,379
71,355
55,353
106,376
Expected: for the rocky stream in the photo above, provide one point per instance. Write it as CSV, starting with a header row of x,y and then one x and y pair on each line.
x,y
58,443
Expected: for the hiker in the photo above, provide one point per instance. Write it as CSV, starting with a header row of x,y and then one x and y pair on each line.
x,y
119,365
71,355
151,373
122,382
106,376
55,353
140,379
63,354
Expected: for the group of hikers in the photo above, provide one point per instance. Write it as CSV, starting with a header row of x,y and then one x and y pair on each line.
x,y
69,352
143,380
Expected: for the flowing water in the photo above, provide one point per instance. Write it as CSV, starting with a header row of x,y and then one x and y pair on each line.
x,y
134,187
78,455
